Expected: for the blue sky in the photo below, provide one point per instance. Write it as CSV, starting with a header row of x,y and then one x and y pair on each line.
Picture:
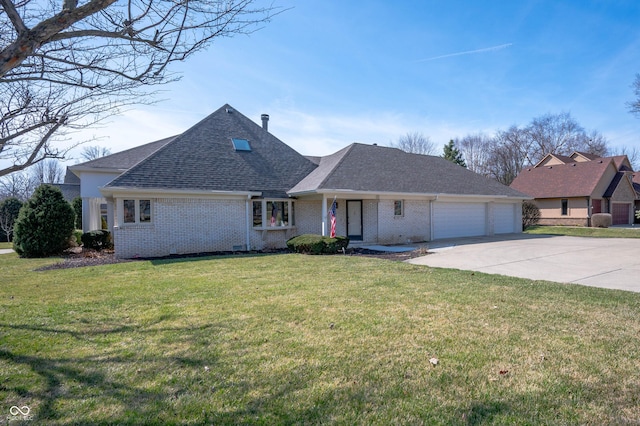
x,y
330,73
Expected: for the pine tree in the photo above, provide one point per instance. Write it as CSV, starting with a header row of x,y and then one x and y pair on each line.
x,y
453,154
45,224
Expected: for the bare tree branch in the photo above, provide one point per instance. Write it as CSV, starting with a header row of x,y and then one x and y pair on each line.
x,y
68,69
415,143
634,106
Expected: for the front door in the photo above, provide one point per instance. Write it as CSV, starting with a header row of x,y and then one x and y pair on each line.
x,y
354,220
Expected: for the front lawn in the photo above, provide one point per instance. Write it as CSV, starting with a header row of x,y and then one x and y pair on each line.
x,y
581,231
6,245
294,339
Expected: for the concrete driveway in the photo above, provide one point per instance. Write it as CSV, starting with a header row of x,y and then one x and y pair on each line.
x,y
598,262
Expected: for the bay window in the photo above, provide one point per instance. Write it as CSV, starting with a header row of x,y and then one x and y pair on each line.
x,y
273,214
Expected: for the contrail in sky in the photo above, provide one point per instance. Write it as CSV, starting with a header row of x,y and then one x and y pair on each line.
x,y
468,52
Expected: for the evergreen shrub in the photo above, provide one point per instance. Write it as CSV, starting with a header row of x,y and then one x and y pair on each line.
x,y
45,224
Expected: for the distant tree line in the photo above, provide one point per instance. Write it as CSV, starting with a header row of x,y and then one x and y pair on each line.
x,y
503,155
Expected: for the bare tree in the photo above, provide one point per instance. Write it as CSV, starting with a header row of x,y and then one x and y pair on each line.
x,y
93,152
634,106
48,171
415,143
509,151
18,185
66,65
476,152
633,154
555,134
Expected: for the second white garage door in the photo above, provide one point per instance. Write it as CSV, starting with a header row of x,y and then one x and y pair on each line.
x,y
452,220
505,218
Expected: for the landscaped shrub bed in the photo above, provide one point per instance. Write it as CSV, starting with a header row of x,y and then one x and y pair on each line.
x,y
317,244
97,240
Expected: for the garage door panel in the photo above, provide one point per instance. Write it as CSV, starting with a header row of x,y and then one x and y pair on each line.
x,y
451,220
620,213
504,218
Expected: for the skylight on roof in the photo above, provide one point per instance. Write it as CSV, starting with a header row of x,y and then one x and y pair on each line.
x,y
241,144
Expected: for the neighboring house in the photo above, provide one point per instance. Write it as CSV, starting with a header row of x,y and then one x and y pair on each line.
x,y
569,190
71,186
228,184
636,185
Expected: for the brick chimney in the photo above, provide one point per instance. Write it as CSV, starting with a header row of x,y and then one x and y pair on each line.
x,y
265,121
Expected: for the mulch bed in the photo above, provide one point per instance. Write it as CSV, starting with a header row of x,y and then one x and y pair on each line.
x,y
78,257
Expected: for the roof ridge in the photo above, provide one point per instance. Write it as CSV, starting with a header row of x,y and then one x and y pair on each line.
x,y
346,151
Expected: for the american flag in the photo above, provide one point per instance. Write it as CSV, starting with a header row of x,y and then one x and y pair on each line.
x,y
332,214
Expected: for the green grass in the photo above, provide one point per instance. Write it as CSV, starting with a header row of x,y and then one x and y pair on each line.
x,y
5,245
294,339
580,231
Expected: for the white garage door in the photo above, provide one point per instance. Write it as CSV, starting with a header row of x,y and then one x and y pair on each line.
x,y
504,218
451,220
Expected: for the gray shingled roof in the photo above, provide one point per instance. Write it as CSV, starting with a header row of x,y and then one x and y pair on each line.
x,y
124,160
203,158
371,168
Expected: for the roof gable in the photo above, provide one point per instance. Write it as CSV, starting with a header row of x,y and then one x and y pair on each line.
x,y
203,158
553,159
583,156
372,168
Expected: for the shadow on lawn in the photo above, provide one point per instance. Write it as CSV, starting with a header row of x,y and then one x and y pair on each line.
x,y
172,389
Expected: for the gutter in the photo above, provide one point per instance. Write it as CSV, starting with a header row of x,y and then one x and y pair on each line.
x,y
113,190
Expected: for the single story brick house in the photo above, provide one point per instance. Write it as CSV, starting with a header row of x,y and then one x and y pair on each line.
x,y
228,184
570,189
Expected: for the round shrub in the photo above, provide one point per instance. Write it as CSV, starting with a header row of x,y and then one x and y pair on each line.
x,y
97,240
45,224
317,244
601,220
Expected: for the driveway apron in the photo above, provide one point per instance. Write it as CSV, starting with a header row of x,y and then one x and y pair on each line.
x,y
599,262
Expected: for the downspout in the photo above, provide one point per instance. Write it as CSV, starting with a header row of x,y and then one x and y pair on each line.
x,y
588,211
247,207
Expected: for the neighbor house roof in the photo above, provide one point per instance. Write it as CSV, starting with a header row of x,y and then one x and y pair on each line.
x,y
372,168
550,157
585,156
562,180
203,158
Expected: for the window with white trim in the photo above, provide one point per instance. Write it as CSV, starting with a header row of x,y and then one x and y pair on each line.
x,y
269,214
136,211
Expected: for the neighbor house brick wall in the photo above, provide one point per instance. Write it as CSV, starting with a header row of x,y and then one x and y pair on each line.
x,y
184,226
551,211
564,221
624,192
412,226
